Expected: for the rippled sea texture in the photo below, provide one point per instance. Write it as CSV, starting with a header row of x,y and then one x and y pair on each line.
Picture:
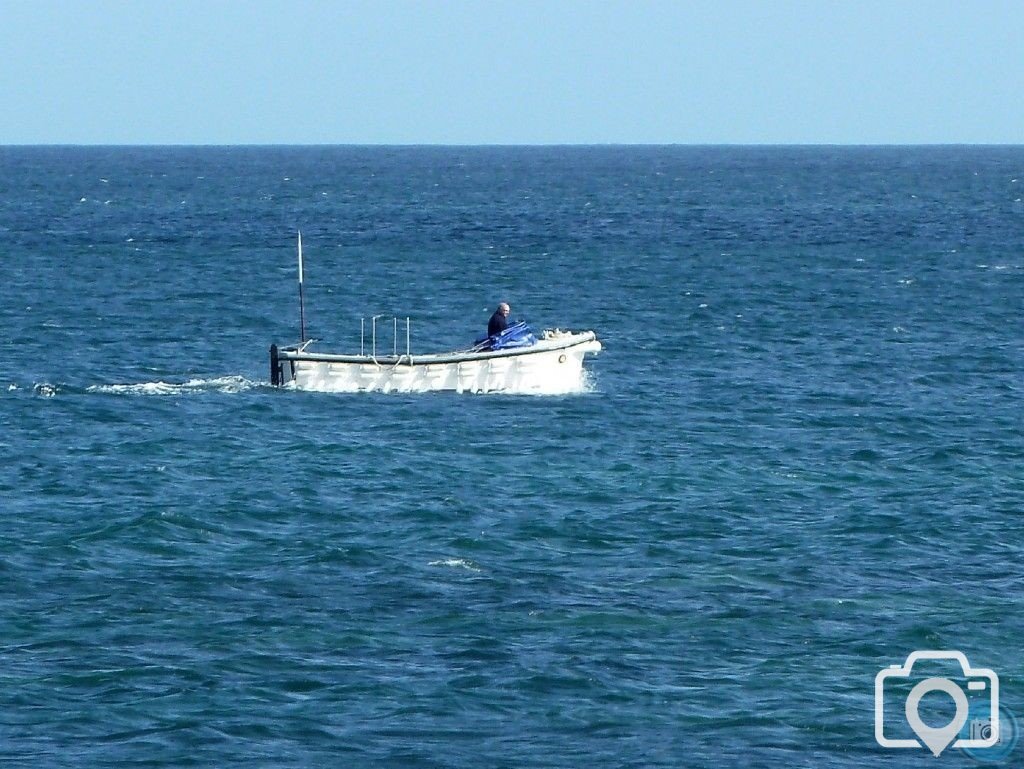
x,y
802,457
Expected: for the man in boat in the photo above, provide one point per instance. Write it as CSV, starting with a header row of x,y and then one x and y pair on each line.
x,y
499,321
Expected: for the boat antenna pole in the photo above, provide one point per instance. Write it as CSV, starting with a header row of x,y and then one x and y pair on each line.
x,y
302,309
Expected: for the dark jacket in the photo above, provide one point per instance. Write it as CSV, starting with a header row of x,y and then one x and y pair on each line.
x,y
497,323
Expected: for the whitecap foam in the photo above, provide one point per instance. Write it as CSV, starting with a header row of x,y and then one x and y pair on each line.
x,y
456,563
45,389
225,384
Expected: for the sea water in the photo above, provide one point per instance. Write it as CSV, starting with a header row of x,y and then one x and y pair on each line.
x,y
800,456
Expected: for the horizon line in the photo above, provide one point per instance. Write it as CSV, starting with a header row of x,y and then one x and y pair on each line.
x,y
495,145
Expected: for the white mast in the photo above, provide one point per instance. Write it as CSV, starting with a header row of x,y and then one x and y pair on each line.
x,y
302,309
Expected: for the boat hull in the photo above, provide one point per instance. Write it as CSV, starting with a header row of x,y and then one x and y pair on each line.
x,y
552,366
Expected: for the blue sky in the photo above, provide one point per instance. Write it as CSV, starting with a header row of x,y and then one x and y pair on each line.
x,y
319,72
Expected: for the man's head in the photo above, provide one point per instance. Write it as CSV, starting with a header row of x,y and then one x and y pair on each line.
x,y
504,309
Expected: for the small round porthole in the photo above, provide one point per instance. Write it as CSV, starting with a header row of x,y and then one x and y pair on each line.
x,y
561,358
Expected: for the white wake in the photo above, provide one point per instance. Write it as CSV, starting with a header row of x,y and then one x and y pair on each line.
x,y
225,384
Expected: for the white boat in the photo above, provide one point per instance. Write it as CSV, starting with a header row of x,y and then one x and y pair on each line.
x,y
552,364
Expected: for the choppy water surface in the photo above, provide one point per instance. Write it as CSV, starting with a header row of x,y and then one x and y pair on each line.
x,y
801,457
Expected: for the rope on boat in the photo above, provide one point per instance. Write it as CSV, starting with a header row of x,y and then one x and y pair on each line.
x,y
399,361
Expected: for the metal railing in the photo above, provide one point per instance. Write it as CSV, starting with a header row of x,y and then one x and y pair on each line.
x,y
394,337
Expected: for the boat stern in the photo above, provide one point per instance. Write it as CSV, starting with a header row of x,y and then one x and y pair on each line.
x,y
282,370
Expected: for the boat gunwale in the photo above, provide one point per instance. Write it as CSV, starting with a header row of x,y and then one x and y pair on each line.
x,y
428,359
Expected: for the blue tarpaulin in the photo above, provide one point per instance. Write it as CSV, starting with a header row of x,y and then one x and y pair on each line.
x,y
517,335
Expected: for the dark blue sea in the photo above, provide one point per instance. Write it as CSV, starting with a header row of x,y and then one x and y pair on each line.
x,y
800,457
